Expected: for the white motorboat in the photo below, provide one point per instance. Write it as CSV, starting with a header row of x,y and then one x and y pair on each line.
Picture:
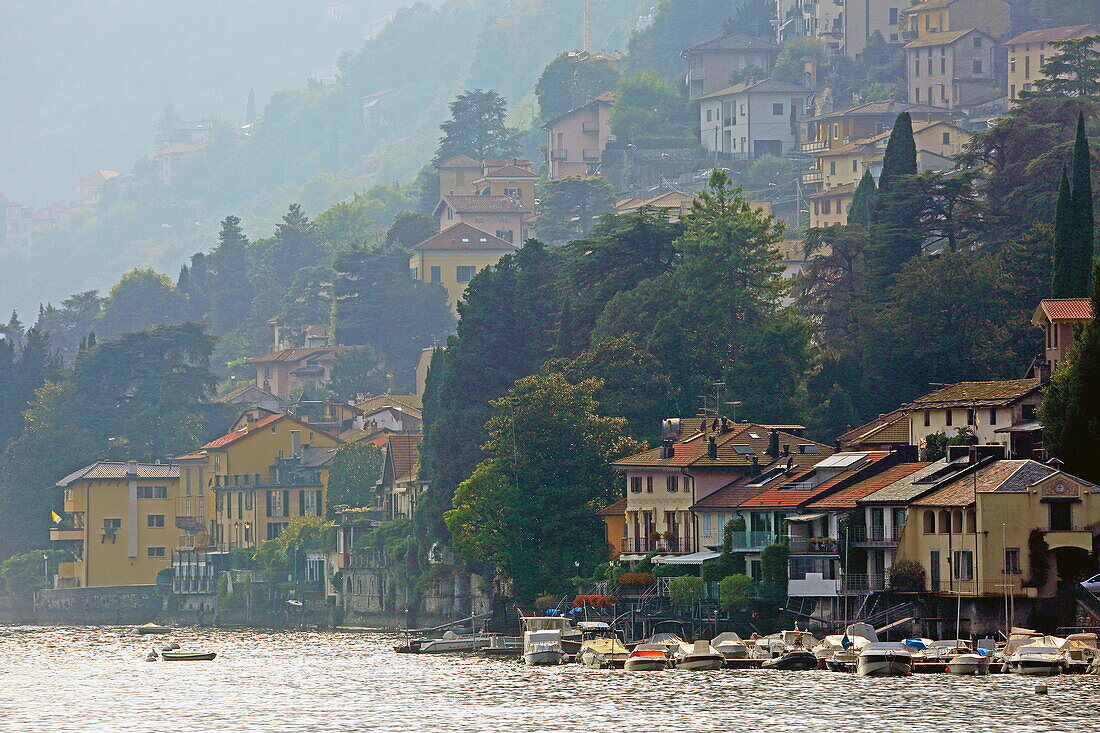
x,y
884,659
449,643
730,645
839,655
968,663
570,635
698,656
646,657
1081,652
600,647
543,648
1036,660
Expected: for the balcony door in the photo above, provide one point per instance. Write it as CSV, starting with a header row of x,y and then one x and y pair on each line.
x,y
934,568
1061,516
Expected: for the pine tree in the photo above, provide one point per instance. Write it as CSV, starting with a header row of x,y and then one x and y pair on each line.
x,y
863,201
230,288
895,236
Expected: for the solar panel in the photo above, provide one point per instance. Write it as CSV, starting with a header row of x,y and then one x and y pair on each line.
x,y
744,450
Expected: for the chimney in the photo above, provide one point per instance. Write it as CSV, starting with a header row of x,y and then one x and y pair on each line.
x,y
131,468
773,444
668,450
712,448
755,465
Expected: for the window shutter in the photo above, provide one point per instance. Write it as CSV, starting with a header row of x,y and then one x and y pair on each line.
x,y
286,502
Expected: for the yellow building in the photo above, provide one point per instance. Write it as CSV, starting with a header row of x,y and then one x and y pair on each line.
x,y
509,180
119,524
246,486
975,533
939,16
1028,52
452,258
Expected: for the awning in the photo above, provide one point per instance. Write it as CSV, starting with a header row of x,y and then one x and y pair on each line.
x,y
806,517
1021,427
695,558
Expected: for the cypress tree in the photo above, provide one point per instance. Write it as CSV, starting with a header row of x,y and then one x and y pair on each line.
x,y
1084,223
863,201
1065,281
895,236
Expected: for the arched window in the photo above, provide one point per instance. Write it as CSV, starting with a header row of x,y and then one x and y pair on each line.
x,y
929,521
957,522
971,522
945,522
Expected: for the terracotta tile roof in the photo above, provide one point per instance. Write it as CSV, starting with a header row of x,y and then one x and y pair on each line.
x,y
944,38
228,396
238,434
766,85
789,493
295,355
465,203
510,170
907,488
893,427
499,162
977,394
889,109
845,190
876,143
732,42
962,491
1046,35
928,5
614,510
736,447
460,161
403,451
98,175
846,498
413,401
114,470
464,237
1063,309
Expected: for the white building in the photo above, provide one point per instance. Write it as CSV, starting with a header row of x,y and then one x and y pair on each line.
x,y
753,119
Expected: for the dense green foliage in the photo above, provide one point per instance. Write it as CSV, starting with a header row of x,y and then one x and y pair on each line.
x,y
570,81
569,207
686,590
736,592
355,471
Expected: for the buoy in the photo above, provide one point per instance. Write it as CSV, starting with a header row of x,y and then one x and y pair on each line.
x,y
166,648
1041,689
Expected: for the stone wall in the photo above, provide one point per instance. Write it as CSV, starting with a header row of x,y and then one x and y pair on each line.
x,y
119,605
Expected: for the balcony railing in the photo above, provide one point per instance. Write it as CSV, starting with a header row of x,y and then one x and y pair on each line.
x,y
862,583
591,154
815,146
681,545
192,523
813,546
559,154
67,535
872,537
813,177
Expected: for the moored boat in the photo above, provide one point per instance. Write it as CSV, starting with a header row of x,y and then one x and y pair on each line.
x,y
182,656
969,663
646,658
151,628
792,660
600,646
884,659
449,643
1036,660
730,645
698,656
543,648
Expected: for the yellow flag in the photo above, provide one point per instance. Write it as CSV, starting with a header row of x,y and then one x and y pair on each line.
x,y
56,517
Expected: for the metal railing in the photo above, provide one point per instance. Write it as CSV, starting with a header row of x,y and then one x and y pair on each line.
x,y
875,536
815,146
862,583
813,177
645,545
812,546
559,154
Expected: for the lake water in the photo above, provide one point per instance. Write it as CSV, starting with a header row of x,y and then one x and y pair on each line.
x,y
96,679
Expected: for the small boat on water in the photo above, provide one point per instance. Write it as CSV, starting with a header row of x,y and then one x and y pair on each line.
x,y
838,652
570,634
788,650
793,660
502,646
182,656
600,646
151,628
969,663
697,656
646,658
543,648
1081,652
1036,660
954,656
730,645
884,659
449,643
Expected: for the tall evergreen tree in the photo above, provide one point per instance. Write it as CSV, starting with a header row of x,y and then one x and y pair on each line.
x,y
1084,220
230,289
895,237
863,200
1066,281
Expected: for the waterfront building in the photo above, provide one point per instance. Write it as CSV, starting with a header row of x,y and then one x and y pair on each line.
x,y
399,484
1029,52
452,257
697,457
712,64
119,524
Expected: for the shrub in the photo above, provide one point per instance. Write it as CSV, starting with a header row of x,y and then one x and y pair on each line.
x,y
773,563
545,602
723,566
906,576
685,590
1037,566
736,591
636,578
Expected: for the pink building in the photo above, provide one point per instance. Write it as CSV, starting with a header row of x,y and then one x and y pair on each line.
x,y
576,140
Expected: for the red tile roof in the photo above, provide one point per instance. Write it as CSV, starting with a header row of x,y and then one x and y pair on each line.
x,y
295,355
614,510
464,203
403,450
464,237
735,448
1065,309
1046,35
846,498
238,434
780,496
977,394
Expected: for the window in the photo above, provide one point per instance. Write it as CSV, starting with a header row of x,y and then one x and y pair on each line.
x,y
672,483
742,110
916,70
414,273
1012,67
437,274
277,503
929,522
977,41
309,503
826,206
112,523
832,167
927,418
154,551
68,494
152,492
977,66
1027,67
949,419
947,138
956,522
943,65
636,484
945,522
274,529
154,521
893,17
970,415
916,93
465,273
649,484
1012,561
836,130
1061,516
708,115
505,234
992,415
963,565
855,165
513,192
777,108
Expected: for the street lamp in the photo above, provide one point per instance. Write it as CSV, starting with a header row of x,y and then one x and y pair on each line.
x,y
46,569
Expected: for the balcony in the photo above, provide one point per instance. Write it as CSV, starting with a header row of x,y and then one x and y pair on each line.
x,y
1079,538
856,584
813,178
815,146
190,523
750,541
66,535
198,541
591,154
676,546
559,154
590,127
813,546
872,537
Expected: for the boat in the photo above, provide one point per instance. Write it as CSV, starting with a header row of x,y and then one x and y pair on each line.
x,y
884,659
570,635
1036,660
502,646
838,652
449,643
1081,652
954,656
646,658
969,663
181,656
788,650
543,648
600,647
697,656
792,659
731,646
152,628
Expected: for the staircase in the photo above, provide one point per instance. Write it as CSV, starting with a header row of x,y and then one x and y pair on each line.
x,y
1088,604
